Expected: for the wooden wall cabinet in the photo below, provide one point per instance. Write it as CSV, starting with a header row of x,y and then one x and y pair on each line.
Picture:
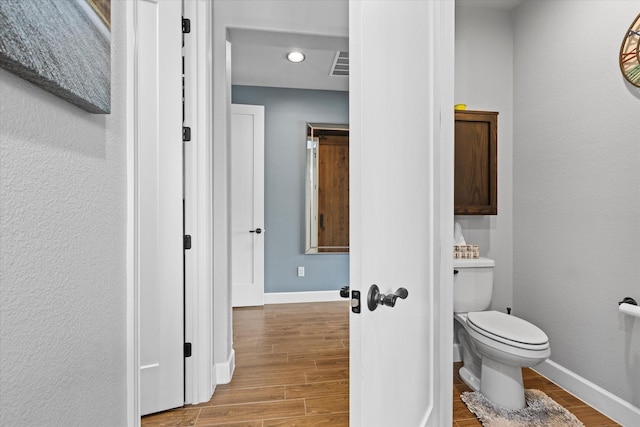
x,y
476,163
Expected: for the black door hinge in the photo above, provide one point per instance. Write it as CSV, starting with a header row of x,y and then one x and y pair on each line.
x,y
187,241
186,25
187,349
186,134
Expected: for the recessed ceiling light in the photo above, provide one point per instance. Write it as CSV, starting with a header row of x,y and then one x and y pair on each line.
x,y
295,56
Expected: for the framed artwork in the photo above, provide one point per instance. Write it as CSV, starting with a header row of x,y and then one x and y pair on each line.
x,y
630,53
63,46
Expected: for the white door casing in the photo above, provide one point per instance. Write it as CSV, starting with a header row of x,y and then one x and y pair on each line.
x,y
199,370
441,337
401,138
158,109
247,205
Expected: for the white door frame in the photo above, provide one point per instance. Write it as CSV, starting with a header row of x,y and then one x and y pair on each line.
x,y
133,321
206,281
199,376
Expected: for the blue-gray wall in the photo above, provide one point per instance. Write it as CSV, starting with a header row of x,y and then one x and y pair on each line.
x,y
287,112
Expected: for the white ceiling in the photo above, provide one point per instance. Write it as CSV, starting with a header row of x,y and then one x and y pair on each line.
x,y
258,57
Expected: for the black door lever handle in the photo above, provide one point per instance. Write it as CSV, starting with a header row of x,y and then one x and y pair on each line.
x,y
390,300
375,298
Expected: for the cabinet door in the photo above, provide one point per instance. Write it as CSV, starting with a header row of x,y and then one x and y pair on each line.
x,y
476,163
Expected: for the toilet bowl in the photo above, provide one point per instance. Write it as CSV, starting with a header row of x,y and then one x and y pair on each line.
x,y
495,345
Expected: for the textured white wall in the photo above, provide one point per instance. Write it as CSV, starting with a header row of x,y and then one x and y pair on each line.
x,y
484,81
63,261
577,187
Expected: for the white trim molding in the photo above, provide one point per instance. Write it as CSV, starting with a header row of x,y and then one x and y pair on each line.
x,y
198,193
224,371
298,297
133,290
610,405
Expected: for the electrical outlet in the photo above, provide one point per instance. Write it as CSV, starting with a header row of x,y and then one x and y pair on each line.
x,y
300,271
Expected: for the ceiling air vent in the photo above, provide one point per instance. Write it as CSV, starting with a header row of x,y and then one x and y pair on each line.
x,y
340,65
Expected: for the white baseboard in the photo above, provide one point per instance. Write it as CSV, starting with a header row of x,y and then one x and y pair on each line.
x,y
610,405
224,371
457,352
297,297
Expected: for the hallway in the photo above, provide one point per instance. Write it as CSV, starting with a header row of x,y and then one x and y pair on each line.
x,y
292,368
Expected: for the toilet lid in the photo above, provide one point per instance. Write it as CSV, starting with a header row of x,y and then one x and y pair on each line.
x,y
507,327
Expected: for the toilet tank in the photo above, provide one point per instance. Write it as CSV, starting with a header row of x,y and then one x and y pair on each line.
x,y
472,284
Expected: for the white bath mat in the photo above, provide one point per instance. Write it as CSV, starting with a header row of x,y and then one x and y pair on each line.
x,y
541,411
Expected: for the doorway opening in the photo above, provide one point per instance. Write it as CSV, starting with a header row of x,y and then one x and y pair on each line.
x,y
319,329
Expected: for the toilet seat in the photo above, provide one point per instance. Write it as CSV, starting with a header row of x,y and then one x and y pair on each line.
x,y
507,329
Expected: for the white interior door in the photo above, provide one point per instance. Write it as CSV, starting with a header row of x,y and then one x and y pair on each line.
x,y
159,209
401,139
247,204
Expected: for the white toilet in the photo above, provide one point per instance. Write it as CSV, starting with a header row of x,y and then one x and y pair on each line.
x,y
495,345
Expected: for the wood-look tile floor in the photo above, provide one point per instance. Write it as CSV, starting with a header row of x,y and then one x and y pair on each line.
x,y
292,369
462,417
